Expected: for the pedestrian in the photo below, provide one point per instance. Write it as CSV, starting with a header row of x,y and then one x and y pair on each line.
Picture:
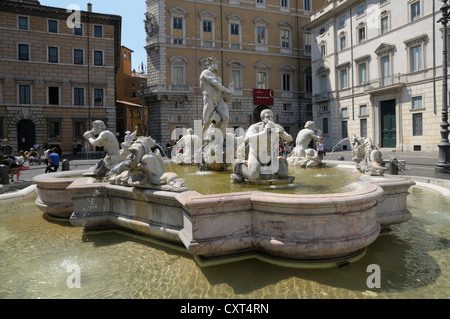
x,y
6,149
320,148
22,162
53,161
45,156
74,147
9,161
33,156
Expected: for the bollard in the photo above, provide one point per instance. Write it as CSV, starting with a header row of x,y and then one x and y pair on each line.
x,y
4,174
65,165
393,166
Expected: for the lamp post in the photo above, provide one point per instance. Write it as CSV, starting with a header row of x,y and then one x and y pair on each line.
x,y
143,109
443,164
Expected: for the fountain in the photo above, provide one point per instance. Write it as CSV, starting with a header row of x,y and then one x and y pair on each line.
x,y
136,194
301,228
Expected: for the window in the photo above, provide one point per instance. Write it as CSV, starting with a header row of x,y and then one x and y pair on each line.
x,y
344,113
130,112
236,78
284,4
24,94
323,50
385,70
341,22
286,82
236,105
77,56
287,107
178,75
362,73
78,96
54,128
98,97
325,125
324,86
235,36
207,33
78,128
285,39
417,102
53,95
98,31
363,127
53,54
261,35
308,83
177,25
361,10
416,58
98,58
23,23
53,26
361,34
342,43
24,54
307,41
415,11
307,5
344,129
262,80
417,124
384,23
363,111
78,30
179,105
343,75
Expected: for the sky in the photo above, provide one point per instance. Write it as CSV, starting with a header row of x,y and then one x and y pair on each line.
x,y
132,13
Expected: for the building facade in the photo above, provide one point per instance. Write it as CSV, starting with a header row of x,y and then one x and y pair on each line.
x,y
377,73
57,73
261,48
129,112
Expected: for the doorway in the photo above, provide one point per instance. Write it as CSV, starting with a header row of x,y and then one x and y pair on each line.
x,y
388,124
25,135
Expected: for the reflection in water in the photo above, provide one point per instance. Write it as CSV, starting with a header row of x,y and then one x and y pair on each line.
x,y
36,253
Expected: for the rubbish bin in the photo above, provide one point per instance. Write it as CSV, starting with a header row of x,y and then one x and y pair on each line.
x,y
4,174
393,166
65,165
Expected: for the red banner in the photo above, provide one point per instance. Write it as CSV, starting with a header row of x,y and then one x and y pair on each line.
x,y
263,96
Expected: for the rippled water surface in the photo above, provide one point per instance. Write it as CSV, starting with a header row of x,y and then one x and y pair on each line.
x,y
37,256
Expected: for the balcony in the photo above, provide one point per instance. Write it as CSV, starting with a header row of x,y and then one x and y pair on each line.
x,y
321,98
168,89
389,83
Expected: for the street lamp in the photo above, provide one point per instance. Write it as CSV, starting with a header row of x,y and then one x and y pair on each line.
x,y
143,109
444,146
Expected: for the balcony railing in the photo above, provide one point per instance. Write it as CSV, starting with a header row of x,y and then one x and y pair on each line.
x,y
386,83
167,88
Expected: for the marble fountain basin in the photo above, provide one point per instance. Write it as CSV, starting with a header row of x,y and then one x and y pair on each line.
x,y
299,228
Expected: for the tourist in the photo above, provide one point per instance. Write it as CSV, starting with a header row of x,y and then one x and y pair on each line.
x,y
53,161
9,161
6,149
74,147
33,156
22,162
320,148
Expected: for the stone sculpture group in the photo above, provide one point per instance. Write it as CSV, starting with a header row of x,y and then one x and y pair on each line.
x,y
255,155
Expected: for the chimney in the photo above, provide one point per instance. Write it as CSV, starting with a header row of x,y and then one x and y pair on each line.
x,y
89,7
